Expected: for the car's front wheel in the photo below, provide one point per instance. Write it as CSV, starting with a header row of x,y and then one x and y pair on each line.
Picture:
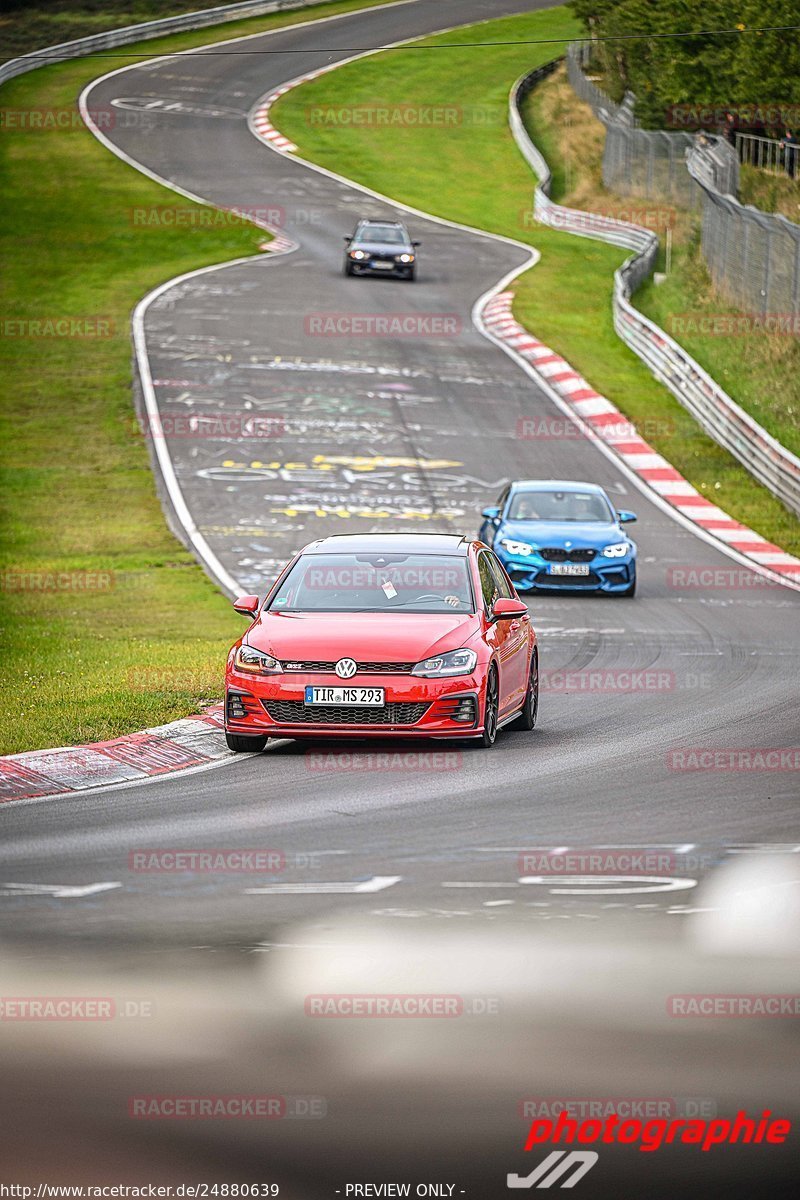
x,y
530,709
491,706
244,744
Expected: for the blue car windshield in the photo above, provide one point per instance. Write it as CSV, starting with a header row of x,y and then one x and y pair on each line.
x,y
560,506
376,582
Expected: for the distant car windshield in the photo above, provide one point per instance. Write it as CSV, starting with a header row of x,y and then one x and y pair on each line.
x,y
559,506
382,233
376,582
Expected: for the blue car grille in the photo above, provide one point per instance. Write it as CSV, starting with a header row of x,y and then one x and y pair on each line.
x,y
567,581
559,554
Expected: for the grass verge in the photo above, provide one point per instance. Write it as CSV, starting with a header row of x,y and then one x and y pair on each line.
x,y
25,27
454,172
107,625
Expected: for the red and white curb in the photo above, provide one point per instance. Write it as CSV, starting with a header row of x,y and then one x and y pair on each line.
x,y
263,127
191,742
610,426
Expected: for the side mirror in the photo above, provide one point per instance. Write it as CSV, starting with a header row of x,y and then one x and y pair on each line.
x,y
624,517
508,610
416,243
492,513
347,239
247,605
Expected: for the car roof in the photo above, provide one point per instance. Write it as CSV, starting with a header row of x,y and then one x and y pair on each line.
x,y
380,221
557,485
391,543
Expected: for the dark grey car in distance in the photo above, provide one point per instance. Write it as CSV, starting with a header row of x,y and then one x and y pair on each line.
x,y
378,247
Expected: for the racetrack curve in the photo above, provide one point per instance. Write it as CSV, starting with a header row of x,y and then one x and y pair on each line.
x,y
398,433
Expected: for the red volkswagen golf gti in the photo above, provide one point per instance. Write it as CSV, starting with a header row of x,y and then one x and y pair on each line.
x,y
370,635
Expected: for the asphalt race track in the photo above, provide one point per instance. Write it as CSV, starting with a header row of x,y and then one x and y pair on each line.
x,y
399,433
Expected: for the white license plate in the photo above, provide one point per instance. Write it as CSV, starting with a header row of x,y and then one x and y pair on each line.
x,y
345,696
569,569
381,266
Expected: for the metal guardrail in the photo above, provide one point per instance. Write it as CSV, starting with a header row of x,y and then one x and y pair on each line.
x,y
148,29
768,154
714,410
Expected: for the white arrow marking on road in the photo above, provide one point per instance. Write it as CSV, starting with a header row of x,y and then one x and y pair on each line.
x,y
62,891
378,883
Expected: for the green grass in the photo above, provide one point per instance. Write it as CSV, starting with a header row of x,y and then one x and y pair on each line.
x,y
48,22
76,489
770,193
473,173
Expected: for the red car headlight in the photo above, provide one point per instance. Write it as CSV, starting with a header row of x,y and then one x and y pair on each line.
x,y
256,662
454,662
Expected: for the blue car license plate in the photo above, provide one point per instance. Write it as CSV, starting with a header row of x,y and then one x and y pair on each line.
x,y
569,569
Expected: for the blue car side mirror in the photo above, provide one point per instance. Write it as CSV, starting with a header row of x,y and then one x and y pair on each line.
x,y
625,517
492,513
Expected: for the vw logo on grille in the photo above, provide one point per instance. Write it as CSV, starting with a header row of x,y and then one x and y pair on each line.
x,y
345,668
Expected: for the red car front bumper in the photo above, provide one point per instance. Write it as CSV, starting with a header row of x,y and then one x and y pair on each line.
x,y
274,705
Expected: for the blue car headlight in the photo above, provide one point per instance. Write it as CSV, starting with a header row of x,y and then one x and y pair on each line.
x,y
618,550
454,662
520,548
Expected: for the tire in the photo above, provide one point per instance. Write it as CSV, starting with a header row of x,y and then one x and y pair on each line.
x,y
412,275
491,708
243,744
348,268
530,709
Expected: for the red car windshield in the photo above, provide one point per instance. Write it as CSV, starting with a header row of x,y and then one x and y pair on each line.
x,y
425,583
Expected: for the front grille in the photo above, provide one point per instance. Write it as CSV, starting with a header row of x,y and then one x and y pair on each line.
x,y
294,712
559,554
568,581
373,668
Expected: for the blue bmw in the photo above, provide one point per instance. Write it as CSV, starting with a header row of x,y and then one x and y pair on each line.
x,y
556,535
